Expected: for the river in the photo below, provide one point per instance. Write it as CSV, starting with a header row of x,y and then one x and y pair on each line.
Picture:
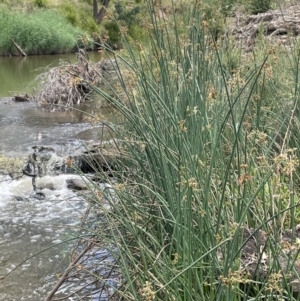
x,y
29,225
17,74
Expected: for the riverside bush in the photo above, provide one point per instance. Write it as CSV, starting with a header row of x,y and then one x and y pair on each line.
x,y
259,6
41,3
207,153
130,19
42,32
81,17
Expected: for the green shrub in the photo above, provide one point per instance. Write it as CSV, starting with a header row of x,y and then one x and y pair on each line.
x,y
71,13
81,17
130,18
41,32
41,3
259,6
138,33
114,36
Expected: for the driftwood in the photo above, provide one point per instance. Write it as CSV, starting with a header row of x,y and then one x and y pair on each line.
x,y
71,266
70,84
20,50
276,25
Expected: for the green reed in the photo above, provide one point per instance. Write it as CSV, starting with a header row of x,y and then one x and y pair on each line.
x,y
207,151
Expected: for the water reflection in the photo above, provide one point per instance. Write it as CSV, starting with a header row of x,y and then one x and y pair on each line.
x,y
17,73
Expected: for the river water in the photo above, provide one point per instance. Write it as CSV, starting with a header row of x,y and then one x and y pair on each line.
x,y
17,74
29,225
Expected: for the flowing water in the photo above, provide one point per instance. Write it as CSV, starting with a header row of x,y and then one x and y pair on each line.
x,y
29,225
25,124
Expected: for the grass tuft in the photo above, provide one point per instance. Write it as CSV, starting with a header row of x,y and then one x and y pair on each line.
x,y
209,152
42,32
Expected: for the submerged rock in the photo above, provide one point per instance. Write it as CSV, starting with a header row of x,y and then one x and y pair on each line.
x,y
49,163
91,158
39,195
18,198
100,156
22,98
76,184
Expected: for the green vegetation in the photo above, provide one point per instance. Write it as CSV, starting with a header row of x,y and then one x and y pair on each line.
x,y
128,18
121,15
72,18
259,6
42,32
210,147
80,16
41,3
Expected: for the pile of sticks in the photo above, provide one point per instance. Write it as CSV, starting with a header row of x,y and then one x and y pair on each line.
x,y
68,84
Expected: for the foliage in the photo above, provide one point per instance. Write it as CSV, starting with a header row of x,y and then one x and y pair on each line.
x,y
207,152
41,3
138,33
259,6
114,37
41,32
128,18
81,16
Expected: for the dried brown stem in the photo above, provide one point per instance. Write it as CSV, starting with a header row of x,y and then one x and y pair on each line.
x,y
71,84
67,271
75,292
282,26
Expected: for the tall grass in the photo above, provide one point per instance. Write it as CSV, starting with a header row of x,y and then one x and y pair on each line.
x,y
42,32
207,153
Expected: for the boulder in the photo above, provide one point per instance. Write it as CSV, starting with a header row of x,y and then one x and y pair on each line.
x,y
100,156
12,165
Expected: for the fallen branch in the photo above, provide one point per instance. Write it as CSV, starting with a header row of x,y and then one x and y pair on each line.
x,y
74,293
20,50
282,25
67,271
